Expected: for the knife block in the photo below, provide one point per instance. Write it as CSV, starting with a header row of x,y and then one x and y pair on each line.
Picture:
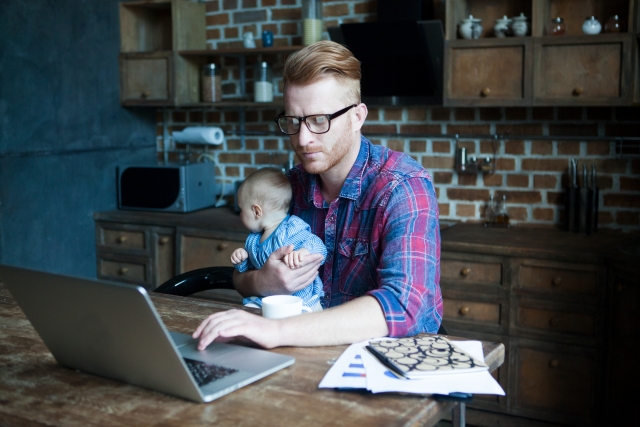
x,y
581,209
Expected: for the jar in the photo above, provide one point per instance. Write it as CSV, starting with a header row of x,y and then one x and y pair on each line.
x,y
211,83
312,21
262,84
591,26
520,26
471,28
613,25
557,27
501,29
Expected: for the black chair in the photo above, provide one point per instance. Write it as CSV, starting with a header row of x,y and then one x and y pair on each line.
x,y
199,280
208,278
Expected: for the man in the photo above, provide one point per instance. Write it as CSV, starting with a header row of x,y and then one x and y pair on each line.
x,y
375,209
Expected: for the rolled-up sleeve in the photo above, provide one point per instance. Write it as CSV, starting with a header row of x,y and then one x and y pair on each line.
x,y
409,270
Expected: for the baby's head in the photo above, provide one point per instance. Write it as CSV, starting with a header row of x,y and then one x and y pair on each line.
x,y
268,188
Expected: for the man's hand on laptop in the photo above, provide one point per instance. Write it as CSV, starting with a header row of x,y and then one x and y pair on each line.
x,y
237,324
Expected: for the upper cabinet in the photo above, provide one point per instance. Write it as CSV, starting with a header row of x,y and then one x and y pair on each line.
x,y
530,65
151,34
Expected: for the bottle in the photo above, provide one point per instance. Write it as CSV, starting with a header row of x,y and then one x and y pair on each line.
x,y
262,85
613,25
211,83
557,27
312,21
490,211
502,216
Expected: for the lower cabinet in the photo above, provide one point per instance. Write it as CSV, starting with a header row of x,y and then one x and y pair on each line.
x,y
555,382
550,316
148,253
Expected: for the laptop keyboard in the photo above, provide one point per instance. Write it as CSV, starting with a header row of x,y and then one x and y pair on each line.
x,y
204,373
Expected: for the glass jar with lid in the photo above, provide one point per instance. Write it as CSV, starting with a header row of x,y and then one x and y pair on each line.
x,y
211,83
557,27
263,83
312,21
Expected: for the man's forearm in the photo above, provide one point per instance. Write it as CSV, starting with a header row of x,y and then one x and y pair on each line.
x,y
247,283
351,322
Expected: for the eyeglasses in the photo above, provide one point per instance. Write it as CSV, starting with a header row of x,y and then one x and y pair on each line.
x,y
316,123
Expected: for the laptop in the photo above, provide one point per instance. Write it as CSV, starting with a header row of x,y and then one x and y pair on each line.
x,y
114,331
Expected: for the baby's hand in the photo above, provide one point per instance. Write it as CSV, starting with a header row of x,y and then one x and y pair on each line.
x,y
238,256
295,259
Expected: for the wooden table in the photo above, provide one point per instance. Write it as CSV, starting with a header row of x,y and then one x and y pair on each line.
x,y
36,391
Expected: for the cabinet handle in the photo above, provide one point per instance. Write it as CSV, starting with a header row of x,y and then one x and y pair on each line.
x,y
223,246
556,282
578,90
123,271
485,92
464,310
554,363
163,240
122,239
145,94
465,271
554,321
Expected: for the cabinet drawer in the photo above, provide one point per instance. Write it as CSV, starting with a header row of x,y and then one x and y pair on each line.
x,y
118,238
471,272
199,252
556,321
475,312
556,383
550,279
122,271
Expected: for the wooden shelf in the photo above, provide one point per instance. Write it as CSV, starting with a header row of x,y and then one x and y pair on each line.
x,y
240,51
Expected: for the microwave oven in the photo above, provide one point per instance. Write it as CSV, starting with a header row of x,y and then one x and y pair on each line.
x,y
170,188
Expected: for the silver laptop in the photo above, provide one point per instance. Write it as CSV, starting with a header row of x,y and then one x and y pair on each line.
x,y
113,330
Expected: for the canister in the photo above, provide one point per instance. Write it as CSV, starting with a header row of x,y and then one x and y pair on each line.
x,y
211,83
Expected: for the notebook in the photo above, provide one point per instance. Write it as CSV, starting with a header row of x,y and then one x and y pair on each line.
x,y
424,355
114,331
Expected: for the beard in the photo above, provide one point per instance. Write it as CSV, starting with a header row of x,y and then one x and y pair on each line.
x,y
331,155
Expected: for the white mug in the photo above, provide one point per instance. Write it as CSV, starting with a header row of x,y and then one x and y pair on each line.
x,y
281,306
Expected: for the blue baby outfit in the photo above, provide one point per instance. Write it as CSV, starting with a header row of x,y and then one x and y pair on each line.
x,y
291,231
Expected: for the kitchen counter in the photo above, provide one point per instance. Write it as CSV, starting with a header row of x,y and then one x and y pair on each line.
x,y
603,247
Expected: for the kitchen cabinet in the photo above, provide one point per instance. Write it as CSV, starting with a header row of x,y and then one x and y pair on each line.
x,y
567,317
151,34
149,248
539,70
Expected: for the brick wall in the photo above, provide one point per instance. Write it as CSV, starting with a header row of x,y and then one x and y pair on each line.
x,y
531,173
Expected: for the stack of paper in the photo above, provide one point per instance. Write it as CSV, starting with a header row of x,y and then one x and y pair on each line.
x,y
358,368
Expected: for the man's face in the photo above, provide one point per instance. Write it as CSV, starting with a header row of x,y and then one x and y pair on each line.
x,y
331,151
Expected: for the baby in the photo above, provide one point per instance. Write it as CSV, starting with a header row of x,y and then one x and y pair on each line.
x,y
264,199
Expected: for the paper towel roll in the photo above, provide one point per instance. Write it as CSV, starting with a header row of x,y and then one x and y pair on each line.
x,y
200,135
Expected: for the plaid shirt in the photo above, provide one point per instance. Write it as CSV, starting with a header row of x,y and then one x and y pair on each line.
x,y
388,237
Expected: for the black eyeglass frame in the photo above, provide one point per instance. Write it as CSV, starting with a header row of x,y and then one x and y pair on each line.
x,y
304,120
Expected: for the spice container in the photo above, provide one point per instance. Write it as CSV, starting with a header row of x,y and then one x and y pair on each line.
x,y
557,27
262,85
211,84
613,25
312,23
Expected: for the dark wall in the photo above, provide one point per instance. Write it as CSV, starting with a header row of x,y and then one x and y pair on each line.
x,y
62,130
